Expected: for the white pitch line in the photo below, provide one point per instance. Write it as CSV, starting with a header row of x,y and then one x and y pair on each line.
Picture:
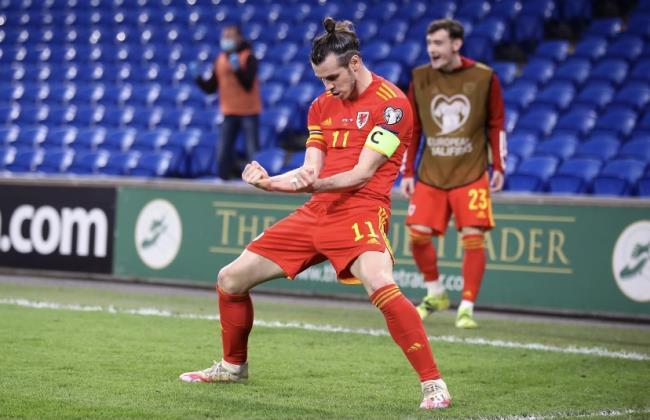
x,y
599,413
478,341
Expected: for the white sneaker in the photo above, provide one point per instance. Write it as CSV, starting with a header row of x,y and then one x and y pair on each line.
x,y
219,372
435,395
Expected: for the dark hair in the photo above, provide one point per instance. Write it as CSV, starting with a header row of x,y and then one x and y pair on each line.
x,y
339,38
453,27
234,26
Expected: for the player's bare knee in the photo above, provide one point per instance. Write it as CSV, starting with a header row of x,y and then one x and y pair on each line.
x,y
228,281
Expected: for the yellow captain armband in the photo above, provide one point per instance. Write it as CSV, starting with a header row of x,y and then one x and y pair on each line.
x,y
382,141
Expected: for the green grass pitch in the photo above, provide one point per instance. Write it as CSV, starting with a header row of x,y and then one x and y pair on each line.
x,y
108,363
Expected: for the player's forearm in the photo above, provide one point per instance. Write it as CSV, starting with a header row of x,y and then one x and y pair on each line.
x,y
351,180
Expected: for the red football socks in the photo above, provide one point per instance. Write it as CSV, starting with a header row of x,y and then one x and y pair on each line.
x,y
405,326
424,254
474,261
236,314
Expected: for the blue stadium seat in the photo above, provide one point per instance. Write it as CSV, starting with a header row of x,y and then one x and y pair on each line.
x,y
30,137
282,53
153,164
146,117
34,93
11,91
578,121
635,95
303,33
519,95
32,114
119,139
643,184
575,10
389,70
25,160
148,140
506,9
278,118
376,51
511,119
611,70
522,144
628,48
641,70
506,71
532,174
272,159
288,74
601,147
367,30
89,94
294,160
55,161
553,50
59,138
608,27
61,94
479,48
301,94
202,158
9,113
544,9
556,94
119,163
643,124
181,144
415,12
7,155
574,176
8,135
528,30
473,10
407,53
271,93
176,119
638,25
561,146
147,94
538,121
87,116
88,162
395,31
597,94
90,138
575,70
512,164
265,70
618,121
638,149
492,28
618,177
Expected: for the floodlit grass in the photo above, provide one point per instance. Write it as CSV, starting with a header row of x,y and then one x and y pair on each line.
x,y
63,363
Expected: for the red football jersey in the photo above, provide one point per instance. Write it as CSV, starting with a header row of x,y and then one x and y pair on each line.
x,y
340,128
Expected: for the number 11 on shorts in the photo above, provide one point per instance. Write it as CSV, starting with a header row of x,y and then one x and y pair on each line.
x,y
357,232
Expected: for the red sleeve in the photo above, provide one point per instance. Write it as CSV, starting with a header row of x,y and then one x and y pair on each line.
x,y
496,132
408,168
316,138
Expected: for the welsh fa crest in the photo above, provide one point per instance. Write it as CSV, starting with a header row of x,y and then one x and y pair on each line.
x,y
362,118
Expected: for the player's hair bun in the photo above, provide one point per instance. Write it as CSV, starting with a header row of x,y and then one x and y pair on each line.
x,y
329,24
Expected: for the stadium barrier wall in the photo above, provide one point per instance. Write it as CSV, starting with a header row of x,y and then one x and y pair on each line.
x,y
550,254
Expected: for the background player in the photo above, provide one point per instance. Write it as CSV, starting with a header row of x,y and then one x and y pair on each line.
x,y
358,132
458,103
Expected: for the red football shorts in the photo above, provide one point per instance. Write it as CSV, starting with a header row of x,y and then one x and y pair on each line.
x,y
319,231
470,204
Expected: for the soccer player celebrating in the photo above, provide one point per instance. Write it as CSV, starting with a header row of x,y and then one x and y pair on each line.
x,y
358,132
459,105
